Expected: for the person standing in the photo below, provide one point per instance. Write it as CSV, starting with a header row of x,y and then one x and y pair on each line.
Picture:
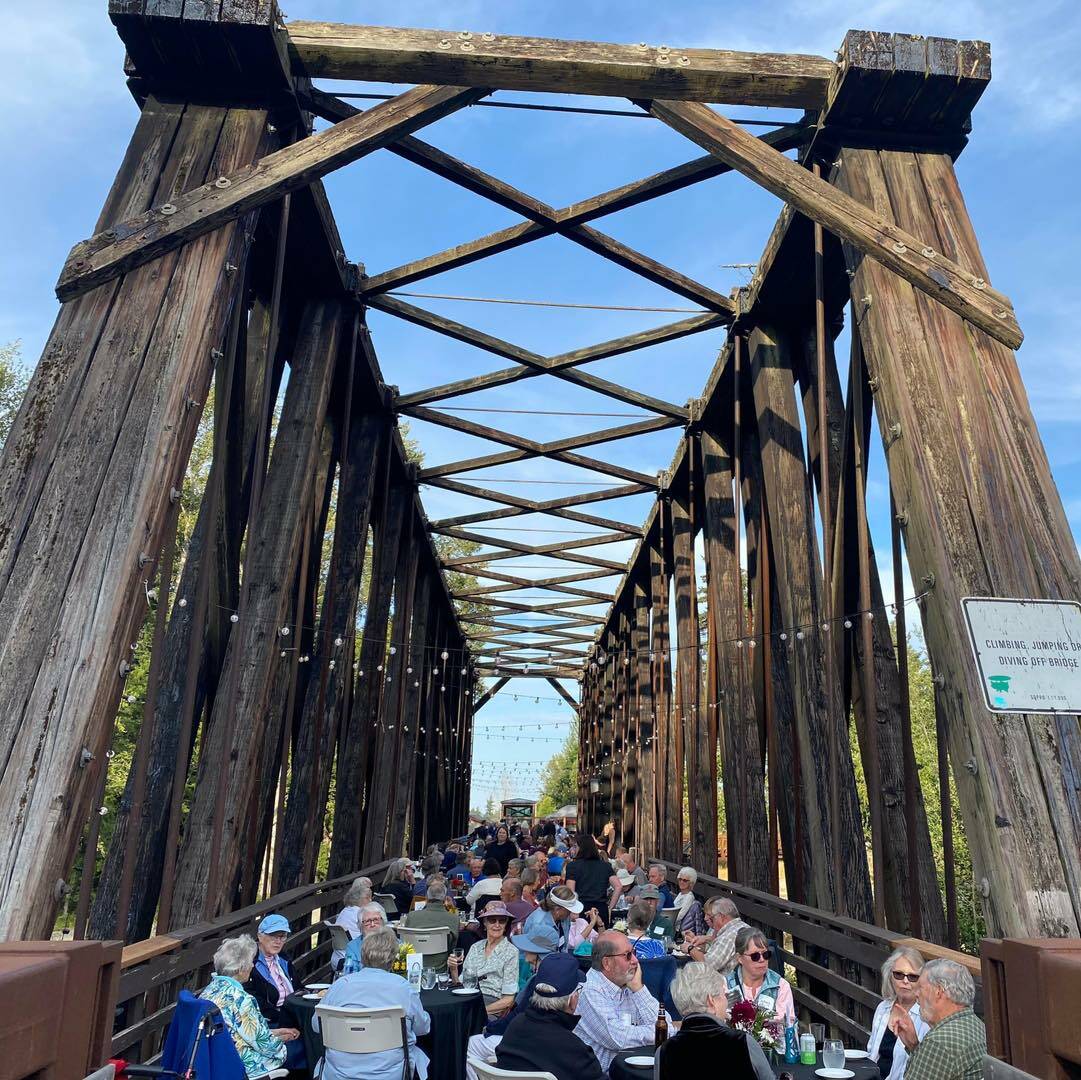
x,y
502,849
590,876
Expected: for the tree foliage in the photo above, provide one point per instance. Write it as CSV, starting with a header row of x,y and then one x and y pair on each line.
x,y
14,379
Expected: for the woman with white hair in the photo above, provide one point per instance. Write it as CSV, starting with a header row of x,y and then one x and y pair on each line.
x,y
356,896
377,987
689,917
261,1050
705,1043
372,917
900,973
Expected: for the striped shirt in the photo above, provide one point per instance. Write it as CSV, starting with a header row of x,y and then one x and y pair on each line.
x,y
614,1018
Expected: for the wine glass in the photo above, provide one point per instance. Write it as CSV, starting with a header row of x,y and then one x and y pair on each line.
x,y
833,1054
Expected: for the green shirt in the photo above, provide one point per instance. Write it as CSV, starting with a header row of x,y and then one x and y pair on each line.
x,y
952,1050
661,927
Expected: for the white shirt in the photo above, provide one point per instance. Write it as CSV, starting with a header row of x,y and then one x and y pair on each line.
x,y
489,886
878,1029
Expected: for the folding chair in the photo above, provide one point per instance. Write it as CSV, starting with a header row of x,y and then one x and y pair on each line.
x,y
387,902
430,942
365,1031
339,936
490,1072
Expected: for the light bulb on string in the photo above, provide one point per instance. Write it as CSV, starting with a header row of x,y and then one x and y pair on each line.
x,y
234,618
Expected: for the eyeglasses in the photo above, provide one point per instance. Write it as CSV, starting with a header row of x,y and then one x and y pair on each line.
x,y
622,955
756,956
906,976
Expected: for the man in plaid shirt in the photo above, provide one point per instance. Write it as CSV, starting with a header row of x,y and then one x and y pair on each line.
x,y
955,1046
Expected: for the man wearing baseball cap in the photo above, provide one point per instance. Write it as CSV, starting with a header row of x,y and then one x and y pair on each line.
x,y
661,926
542,1039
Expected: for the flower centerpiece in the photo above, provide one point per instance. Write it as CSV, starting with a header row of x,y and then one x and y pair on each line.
x,y
760,1024
620,925
399,965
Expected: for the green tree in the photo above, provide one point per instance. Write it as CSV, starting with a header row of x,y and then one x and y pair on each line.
x,y
14,378
559,782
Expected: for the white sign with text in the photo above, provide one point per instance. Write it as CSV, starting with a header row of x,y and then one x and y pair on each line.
x,y
1028,653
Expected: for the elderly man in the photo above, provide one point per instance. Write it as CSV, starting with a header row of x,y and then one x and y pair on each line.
x,y
955,1046
660,882
511,895
661,926
541,1037
717,948
434,916
617,1011
630,864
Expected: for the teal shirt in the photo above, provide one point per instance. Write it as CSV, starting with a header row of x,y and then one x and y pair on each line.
x,y
259,1050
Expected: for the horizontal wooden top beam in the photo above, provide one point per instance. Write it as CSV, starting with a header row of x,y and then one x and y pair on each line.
x,y
325,50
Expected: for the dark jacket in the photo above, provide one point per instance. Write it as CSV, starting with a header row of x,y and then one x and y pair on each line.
x,y
262,988
503,853
702,1045
540,1041
402,893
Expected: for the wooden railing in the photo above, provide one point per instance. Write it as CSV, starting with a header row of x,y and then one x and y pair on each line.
x,y
154,971
836,961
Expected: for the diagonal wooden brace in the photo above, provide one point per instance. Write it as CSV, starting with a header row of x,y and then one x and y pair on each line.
x,y
918,263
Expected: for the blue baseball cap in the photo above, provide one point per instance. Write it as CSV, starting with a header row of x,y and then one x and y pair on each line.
x,y
559,972
542,940
274,924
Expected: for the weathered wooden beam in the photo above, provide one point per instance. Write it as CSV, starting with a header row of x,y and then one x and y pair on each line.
x,y
916,260
167,226
388,54
645,803
557,686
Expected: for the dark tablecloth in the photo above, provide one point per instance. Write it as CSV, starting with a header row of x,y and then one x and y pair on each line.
x,y
454,1018
620,1070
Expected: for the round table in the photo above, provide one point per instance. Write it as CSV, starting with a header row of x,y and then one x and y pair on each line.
x,y
454,1018
620,1070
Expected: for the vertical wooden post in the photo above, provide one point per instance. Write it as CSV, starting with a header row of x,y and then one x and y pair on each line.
x,y
646,798
668,813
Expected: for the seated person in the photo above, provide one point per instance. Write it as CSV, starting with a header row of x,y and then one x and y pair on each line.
x,y
688,917
900,977
530,887
431,864
492,962
646,947
372,917
561,909
717,947
489,885
617,1011
659,881
375,986
541,1037
261,1049
357,895
660,926
511,895
556,860
704,1042
434,915
755,981
270,983
399,883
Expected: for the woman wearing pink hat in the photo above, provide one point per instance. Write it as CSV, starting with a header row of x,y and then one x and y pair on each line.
x,y
492,963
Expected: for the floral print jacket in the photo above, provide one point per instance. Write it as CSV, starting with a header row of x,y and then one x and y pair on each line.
x,y
259,1050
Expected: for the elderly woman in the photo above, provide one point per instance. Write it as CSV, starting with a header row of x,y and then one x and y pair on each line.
x,y
492,963
377,987
900,973
372,918
754,979
704,1043
399,883
261,1049
689,917
639,919
270,983
356,896
561,910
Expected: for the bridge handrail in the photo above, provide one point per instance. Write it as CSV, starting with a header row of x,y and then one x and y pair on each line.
x,y
180,959
836,959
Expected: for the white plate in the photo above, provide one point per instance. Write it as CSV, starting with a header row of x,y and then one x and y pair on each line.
x,y
312,997
639,1060
835,1074
855,1055
317,986
463,990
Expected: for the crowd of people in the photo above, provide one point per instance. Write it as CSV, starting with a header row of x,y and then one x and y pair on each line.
x,y
567,939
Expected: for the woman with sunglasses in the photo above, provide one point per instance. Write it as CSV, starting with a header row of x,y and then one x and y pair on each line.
x,y
900,973
754,981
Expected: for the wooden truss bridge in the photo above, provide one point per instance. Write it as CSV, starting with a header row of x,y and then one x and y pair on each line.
x,y
216,260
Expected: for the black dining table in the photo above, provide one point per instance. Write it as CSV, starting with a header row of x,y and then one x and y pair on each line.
x,y
861,1069
454,1018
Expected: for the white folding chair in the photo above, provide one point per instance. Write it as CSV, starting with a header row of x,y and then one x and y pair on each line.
x,y
490,1072
386,902
425,942
339,936
365,1031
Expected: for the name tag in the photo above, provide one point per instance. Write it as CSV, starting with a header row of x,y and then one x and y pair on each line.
x,y
658,932
767,1001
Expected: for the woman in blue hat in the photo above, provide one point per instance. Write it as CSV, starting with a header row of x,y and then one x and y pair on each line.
x,y
270,984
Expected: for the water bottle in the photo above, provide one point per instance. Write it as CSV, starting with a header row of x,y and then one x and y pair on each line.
x,y
807,1053
791,1046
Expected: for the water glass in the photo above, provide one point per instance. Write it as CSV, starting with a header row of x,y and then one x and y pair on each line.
x,y
469,982
443,980
833,1054
819,1032
427,979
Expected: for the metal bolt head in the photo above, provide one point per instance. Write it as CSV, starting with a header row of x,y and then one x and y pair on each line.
x,y
168,209
223,182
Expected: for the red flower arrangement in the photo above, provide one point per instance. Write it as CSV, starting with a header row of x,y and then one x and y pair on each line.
x,y
760,1024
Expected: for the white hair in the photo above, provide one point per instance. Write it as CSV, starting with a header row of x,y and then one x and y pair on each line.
x,y
550,1004
694,984
721,905
688,871
437,890
380,948
368,909
235,956
953,979
902,952
358,893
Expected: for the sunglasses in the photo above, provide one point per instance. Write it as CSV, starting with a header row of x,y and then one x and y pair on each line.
x,y
905,976
622,955
756,956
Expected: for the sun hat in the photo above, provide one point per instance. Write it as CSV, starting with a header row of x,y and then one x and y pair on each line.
x,y
274,924
495,910
625,877
559,972
573,906
542,941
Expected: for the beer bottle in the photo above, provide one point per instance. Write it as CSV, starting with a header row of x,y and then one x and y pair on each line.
x,y
660,1032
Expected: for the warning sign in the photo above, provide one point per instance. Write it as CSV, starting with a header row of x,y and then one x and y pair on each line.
x,y
1028,653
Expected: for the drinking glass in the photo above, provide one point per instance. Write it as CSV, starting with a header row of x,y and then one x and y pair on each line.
x,y
458,955
469,982
427,979
819,1032
833,1054
443,980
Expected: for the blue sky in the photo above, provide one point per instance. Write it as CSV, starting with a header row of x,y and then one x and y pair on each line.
x,y
68,116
